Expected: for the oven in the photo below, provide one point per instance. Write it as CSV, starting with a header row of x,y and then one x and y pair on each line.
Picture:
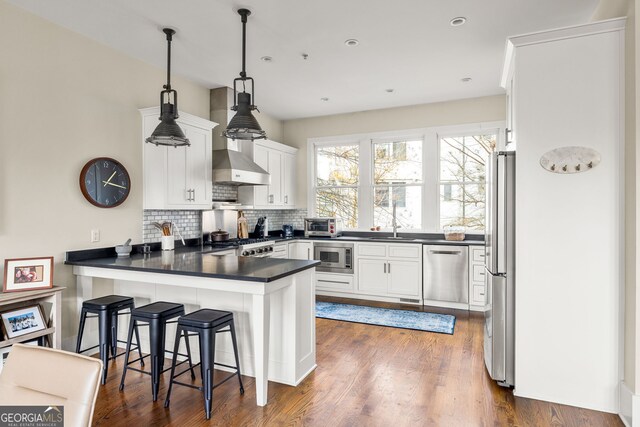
x,y
334,257
322,227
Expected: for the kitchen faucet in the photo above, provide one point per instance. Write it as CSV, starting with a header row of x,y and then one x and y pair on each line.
x,y
394,220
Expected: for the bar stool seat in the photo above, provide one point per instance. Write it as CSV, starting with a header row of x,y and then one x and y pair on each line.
x,y
109,302
155,315
206,318
205,324
159,310
106,309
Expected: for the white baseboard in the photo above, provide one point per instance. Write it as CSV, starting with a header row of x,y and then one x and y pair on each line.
x,y
629,406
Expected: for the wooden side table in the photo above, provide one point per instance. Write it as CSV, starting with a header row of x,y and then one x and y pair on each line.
x,y
51,302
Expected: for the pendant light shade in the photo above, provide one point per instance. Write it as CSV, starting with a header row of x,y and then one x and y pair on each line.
x,y
168,132
244,125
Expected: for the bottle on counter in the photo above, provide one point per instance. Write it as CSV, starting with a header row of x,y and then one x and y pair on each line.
x,y
243,227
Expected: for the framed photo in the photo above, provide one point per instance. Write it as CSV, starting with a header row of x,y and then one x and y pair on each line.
x,y
22,321
4,352
27,274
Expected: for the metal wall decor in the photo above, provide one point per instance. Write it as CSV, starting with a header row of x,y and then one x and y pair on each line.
x,y
168,132
244,125
570,160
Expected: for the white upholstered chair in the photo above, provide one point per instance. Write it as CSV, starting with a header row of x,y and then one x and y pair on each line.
x,y
43,376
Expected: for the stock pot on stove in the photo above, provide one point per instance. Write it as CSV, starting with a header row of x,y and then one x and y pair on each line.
x,y
219,236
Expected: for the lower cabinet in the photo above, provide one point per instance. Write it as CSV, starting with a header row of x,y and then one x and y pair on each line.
x,y
300,250
405,278
390,270
372,276
334,282
477,292
280,250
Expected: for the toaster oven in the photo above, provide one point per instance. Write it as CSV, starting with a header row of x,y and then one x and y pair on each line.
x,y
322,227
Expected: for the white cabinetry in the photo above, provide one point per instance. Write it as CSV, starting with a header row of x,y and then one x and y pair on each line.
x,y
280,250
300,250
390,270
177,177
477,294
279,160
570,92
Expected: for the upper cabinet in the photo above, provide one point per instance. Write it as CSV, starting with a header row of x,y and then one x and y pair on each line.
x,y
177,177
280,161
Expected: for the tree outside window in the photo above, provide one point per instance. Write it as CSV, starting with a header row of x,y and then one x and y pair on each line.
x,y
462,179
398,176
337,180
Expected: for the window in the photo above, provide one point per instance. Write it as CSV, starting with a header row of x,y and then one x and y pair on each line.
x,y
433,176
462,179
397,177
337,180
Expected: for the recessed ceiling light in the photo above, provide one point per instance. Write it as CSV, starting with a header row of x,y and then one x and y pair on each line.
x,y
351,42
466,79
324,99
389,90
456,22
266,59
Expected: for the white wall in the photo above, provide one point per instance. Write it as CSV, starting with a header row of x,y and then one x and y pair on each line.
x,y
473,110
64,100
568,227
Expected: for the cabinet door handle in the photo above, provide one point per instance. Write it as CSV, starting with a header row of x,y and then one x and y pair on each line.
x,y
286,200
308,253
193,195
389,269
270,198
385,267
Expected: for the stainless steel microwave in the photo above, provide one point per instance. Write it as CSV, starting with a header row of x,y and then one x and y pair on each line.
x,y
322,227
334,257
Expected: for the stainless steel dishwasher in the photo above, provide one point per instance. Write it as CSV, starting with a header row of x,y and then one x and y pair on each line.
x,y
446,273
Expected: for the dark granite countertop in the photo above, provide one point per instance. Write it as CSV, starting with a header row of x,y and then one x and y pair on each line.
x,y
371,237
192,261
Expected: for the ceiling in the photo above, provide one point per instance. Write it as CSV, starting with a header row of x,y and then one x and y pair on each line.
x,y
405,45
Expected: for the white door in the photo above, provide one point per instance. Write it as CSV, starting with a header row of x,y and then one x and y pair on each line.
x,y
177,187
289,180
372,276
261,192
405,278
199,166
275,170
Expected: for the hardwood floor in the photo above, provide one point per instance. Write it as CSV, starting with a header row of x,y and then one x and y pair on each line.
x,y
366,376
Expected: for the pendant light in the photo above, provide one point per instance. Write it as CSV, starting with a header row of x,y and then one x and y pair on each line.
x,y
243,125
168,132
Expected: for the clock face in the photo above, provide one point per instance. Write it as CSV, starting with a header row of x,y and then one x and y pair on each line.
x,y
105,182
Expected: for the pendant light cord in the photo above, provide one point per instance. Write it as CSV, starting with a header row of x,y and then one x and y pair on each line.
x,y
244,13
169,32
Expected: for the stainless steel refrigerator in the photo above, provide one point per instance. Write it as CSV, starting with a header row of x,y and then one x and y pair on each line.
x,y
499,327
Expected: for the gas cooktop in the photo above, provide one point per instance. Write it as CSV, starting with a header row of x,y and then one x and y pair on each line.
x,y
234,243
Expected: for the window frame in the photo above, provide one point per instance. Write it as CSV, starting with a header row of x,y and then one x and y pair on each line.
x,y
440,182
430,193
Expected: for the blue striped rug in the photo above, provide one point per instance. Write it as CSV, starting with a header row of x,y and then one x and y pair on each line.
x,y
405,319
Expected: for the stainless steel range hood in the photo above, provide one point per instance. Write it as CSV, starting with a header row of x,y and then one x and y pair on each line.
x,y
230,166
233,168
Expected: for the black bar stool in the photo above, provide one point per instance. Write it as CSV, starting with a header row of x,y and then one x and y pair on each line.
x,y
205,323
106,309
156,315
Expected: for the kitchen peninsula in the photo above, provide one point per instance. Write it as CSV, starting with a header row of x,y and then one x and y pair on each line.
x,y
273,301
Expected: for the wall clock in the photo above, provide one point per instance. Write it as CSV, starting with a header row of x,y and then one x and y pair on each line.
x,y
104,182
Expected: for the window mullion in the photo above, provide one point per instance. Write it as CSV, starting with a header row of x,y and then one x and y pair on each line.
x,y
366,191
